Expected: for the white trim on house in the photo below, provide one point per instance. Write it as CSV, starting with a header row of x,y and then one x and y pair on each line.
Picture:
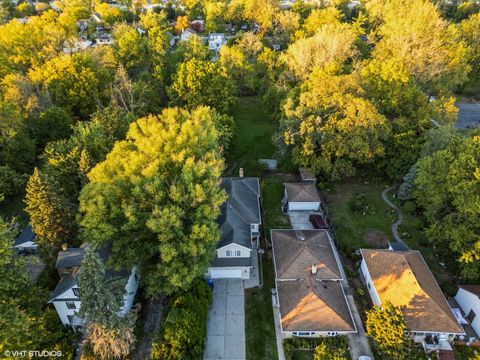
x,y
240,272
469,302
234,244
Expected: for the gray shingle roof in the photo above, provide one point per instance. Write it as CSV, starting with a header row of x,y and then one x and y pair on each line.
x,y
25,236
231,261
63,285
302,192
73,257
241,209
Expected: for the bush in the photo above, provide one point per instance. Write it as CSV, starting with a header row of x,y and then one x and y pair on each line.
x,y
333,345
359,204
184,329
417,223
410,207
423,241
360,291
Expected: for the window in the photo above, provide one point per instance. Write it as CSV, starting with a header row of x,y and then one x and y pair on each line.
x,y
70,319
238,253
471,315
368,284
76,291
228,253
70,305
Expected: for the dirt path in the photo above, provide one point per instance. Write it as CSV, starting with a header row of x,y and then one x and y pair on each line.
x,y
151,326
396,224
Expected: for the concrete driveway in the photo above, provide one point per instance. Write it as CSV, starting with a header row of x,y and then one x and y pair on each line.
x,y
226,322
300,219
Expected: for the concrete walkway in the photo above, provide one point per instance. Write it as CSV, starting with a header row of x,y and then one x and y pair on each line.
x,y
358,342
396,224
226,321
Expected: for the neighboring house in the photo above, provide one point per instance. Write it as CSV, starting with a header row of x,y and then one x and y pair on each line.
x,y
239,224
104,39
82,24
307,176
66,296
397,246
468,297
310,295
186,34
404,279
25,242
216,41
301,196
80,44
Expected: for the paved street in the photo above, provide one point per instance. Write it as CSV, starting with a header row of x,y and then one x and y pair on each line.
x,y
226,321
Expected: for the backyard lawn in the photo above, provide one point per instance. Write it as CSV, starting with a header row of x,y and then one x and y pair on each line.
x,y
260,329
253,138
370,225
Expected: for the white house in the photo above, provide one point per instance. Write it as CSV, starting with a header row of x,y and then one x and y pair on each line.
x,y
187,34
216,41
104,39
25,242
239,224
404,279
468,297
66,296
301,196
310,296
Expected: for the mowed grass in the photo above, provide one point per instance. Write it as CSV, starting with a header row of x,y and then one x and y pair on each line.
x,y
260,327
253,138
351,226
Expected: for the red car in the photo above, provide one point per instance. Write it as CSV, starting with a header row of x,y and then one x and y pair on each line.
x,y
317,221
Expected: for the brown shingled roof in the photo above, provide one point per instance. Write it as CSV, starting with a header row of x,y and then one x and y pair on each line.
x,y
302,192
311,305
403,279
297,250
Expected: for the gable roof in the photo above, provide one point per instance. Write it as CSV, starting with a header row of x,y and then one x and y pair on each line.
x,y
241,209
311,305
26,235
295,251
302,192
474,289
403,279
72,257
398,246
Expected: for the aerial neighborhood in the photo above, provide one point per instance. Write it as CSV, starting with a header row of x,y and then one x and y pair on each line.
x,y
240,179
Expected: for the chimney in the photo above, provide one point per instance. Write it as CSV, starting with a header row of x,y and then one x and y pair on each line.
x,y
314,269
240,172
65,247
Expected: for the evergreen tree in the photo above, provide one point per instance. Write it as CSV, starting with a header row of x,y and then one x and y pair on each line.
x,y
52,217
108,332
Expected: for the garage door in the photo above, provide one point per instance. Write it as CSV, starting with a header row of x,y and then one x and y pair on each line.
x,y
226,274
303,206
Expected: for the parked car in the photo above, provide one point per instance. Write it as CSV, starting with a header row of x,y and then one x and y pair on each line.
x,y
317,221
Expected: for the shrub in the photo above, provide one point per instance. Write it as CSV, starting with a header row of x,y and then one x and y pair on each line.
x,y
410,207
423,241
358,202
417,223
360,291
184,329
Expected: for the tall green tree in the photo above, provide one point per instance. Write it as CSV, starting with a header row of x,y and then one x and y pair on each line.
x,y
109,333
51,215
157,197
447,187
330,126
386,325
201,82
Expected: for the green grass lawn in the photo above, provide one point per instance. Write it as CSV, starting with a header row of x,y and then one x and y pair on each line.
x,y
260,329
253,138
351,227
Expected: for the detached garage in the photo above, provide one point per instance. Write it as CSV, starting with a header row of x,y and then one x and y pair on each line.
x,y
301,197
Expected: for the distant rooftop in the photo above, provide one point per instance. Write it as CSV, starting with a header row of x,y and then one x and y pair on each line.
x,y
302,192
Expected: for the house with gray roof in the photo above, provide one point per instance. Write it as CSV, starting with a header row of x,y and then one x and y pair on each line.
x,y
25,242
239,224
308,281
302,196
66,297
